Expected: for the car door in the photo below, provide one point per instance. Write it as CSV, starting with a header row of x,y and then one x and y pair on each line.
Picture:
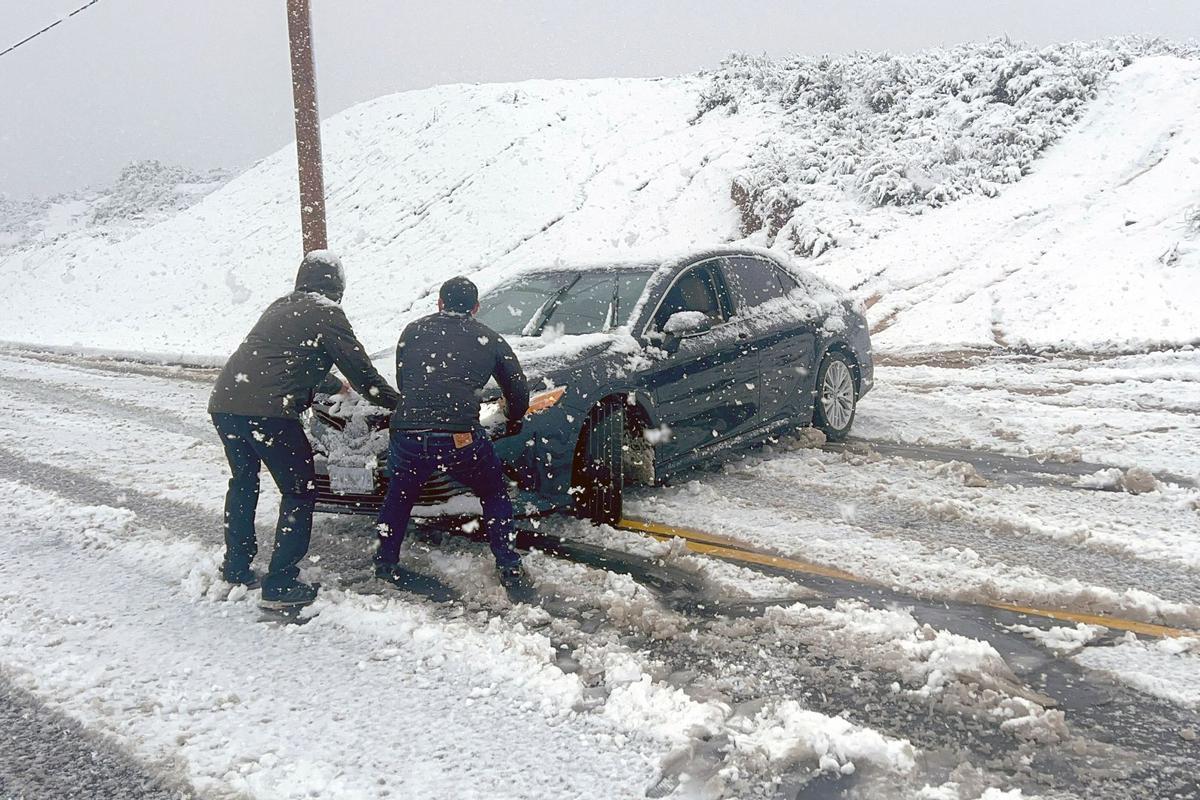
x,y
701,391
781,340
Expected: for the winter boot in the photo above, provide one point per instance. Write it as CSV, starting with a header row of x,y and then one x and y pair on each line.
x,y
293,596
517,585
385,570
247,577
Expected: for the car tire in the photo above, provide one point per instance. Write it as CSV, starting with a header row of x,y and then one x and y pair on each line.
x,y
599,473
835,398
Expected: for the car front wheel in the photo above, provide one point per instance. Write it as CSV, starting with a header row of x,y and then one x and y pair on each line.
x,y
599,474
836,399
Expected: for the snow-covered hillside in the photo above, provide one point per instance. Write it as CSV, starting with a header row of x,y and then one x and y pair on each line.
x,y
1098,249
1095,249
144,194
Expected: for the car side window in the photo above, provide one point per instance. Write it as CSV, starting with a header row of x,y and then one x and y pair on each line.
x,y
698,289
753,281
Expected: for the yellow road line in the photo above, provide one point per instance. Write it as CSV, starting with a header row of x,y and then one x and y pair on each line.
x,y
712,544
1145,628
690,534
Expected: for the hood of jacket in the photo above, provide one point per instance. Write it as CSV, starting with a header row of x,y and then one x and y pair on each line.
x,y
321,272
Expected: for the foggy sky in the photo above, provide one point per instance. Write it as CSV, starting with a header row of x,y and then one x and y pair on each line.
x,y
206,82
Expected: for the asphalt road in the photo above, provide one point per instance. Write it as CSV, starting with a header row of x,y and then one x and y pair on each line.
x,y
1123,744
45,755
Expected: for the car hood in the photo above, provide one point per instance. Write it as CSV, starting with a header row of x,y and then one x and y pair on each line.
x,y
545,356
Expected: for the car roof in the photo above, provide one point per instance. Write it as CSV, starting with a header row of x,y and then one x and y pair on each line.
x,y
667,262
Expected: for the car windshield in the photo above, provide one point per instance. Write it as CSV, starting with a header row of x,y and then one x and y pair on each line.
x,y
570,302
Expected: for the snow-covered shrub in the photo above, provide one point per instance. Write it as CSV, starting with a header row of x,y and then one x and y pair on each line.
x,y
921,129
16,217
1192,220
146,192
150,188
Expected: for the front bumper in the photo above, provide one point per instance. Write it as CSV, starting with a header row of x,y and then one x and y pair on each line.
x,y
537,463
438,492
442,496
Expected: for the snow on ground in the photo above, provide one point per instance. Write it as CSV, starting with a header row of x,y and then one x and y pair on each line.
x,y
1137,411
866,513
421,186
332,708
910,555
142,560
1167,669
936,525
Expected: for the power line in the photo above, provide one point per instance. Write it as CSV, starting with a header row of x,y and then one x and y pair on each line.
x,y
31,37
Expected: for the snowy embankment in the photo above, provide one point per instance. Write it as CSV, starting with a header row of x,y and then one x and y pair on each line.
x,y
1096,248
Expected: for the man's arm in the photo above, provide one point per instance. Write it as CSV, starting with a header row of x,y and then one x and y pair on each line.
x,y
331,384
400,356
511,379
350,357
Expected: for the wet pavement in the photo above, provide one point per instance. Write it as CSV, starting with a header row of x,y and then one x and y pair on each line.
x,y
45,755
999,467
1117,743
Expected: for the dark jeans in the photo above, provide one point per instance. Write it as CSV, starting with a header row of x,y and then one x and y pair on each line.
x,y
414,456
282,445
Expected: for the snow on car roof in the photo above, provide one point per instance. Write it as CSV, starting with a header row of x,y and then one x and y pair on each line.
x,y
826,296
669,261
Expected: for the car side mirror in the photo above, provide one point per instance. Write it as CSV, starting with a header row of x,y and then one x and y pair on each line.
x,y
684,325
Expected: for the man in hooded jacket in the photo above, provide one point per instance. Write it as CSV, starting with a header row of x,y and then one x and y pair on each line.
x,y
256,405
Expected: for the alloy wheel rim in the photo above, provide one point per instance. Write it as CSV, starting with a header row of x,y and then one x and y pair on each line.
x,y
837,395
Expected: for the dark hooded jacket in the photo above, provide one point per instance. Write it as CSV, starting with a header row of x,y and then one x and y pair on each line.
x,y
289,351
443,361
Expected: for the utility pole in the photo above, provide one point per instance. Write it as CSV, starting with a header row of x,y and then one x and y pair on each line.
x,y
308,126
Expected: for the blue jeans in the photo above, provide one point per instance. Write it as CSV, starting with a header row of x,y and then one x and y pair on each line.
x,y
282,445
414,456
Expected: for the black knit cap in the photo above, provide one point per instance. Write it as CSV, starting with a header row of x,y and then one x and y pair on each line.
x,y
459,295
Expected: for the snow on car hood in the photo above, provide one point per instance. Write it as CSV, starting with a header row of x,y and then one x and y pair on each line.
x,y
553,352
545,355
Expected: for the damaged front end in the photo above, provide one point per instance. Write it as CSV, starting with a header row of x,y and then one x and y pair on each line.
x,y
350,443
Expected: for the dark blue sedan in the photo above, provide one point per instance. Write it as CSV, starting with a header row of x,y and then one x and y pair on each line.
x,y
640,371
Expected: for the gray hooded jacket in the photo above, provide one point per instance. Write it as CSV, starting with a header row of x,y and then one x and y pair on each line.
x,y
289,351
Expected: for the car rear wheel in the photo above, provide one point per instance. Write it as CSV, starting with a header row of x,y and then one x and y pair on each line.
x,y
599,474
837,398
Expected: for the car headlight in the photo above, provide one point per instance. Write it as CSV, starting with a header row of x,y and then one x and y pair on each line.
x,y
544,400
494,412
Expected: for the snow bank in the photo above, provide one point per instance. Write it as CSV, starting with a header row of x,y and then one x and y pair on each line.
x,y
1166,668
787,734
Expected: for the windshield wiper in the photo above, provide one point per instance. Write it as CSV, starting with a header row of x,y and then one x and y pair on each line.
x,y
538,320
610,321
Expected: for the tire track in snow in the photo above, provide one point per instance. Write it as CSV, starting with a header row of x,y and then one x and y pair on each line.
x,y
893,518
59,397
